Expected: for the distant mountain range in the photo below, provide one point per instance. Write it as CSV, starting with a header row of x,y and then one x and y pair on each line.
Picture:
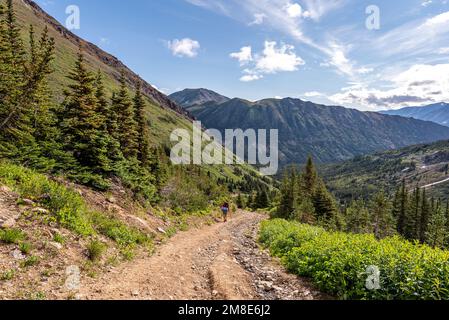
x,y
328,133
438,113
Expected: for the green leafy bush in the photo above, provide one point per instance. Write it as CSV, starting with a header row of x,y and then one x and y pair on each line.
x,y
29,262
65,204
12,236
25,247
338,262
7,275
118,231
95,250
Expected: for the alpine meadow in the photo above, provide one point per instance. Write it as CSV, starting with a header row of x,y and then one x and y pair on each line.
x,y
246,151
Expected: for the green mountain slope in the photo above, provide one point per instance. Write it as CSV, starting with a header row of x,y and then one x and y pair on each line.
x,y
163,114
420,165
166,115
327,133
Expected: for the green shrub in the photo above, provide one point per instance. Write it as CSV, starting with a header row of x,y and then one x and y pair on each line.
x,y
338,262
59,238
12,236
7,275
117,230
65,204
31,261
95,250
25,247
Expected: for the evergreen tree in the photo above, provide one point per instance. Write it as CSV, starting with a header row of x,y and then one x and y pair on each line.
x,y
358,218
400,209
287,194
262,201
15,128
43,112
240,202
24,95
310,177
425,217
436,234
103,108
127,126
326,210
415,211
82,125
107,125
382,217
142,127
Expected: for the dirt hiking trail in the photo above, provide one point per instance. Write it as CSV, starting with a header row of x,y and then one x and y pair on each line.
x,y
222,261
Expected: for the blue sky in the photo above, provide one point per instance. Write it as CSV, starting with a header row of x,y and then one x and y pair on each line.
x,y
318,50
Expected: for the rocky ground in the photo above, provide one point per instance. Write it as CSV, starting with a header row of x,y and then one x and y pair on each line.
x,y
212,260
221,261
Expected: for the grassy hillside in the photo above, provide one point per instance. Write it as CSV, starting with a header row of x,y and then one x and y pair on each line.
x,y
163,114
419,165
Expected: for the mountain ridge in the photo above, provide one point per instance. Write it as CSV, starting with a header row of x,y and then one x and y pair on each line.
x,y
437,112
328,133
192,97
106,58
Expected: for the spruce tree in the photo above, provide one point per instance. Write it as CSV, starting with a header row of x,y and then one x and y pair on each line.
x,y
381,215
416,213
240,202
287,194
142,127
436,234
326,211
425,216
82,124
127,126
107,125
358,218
262,201
310,177
400,210
15,129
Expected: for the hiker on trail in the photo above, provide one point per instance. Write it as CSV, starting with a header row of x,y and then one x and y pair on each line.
x,y
225,210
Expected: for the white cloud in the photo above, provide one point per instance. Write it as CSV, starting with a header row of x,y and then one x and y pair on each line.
x,y
417,37
364,70
319,8
274,59
243,56
274,14
294,10
426,3
313,94
444,50
420,84
271,60
184,48
259,18
250,77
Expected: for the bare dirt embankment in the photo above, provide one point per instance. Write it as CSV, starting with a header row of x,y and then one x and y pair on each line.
x,y
221,261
